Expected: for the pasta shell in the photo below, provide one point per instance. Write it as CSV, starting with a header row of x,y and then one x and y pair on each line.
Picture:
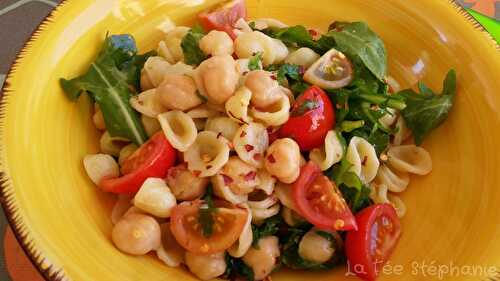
x,y
237,106
250,143
208,154
330,153
223,125
170,252
154,197
148,103
410,158
241,246
99,166
276,115
395,181
361,154
223,191
179,129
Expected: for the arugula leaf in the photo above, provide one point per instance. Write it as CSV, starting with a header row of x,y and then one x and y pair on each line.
x,y
349,126
342,176
269,227
377,138
296,35
356,199
206,215
255,62
291,71
237,268
133,68
107,82
193,55
357,40
427,110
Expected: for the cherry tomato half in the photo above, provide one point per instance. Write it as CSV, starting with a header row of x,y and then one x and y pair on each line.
x,y
224,17
311,118
152,159
369,248
228,223
319,200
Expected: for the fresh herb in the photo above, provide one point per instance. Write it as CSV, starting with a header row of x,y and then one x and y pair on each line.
x,y
305,107
356,199
299,87
255,62
132,69
357,40
252,25
201,97
109,81
237,268
349,126
427,110
207,212
342,176
290,75
297,36
193,55
377,138
269,227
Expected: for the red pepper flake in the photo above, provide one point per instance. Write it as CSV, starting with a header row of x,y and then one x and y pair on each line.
x,y
302,70
196,173
219,134
230,145
257,156
274,77
209,167
248,147
313,32
243,134
227,179
250,176
364,160
271,159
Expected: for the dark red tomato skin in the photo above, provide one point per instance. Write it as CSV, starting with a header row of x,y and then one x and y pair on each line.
x,y
358,243
160,156
225,17
310,128
323,218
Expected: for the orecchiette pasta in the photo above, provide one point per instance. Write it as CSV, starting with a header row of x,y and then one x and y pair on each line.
x,y
122,205
263,208
379,194
284,193
266,182
98,118
237,106
402,132
283,160
274,115
154,197
208,154
148,103
184,184
330,153
264,23
136,234
170,47
249,43
410,158
170,252
242,25
243,243
151,125
156,68
206,267
203,112
223,125
316,248
178,92
303,56
239,176
179,129
222,190
291,217
389,118
361,154
146,83
250,142
208,78
217,43
266,91
99,166
395,181
111,145
126,152
263,259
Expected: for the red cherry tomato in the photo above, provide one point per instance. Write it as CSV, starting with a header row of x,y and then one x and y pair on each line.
x,y
319,200
224,17
152,159
369,248
311,118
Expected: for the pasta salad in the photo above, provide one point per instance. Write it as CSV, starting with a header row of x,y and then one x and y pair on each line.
x,y
241,146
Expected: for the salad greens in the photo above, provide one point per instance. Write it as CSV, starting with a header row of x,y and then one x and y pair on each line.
x,y
427,110
237,268
255,62
111,81
269,227
206,217
193,55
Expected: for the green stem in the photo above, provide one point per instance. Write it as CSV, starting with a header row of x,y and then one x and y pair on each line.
x,y
378,100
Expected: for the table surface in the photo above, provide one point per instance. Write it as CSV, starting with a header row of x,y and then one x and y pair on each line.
x,y
23,16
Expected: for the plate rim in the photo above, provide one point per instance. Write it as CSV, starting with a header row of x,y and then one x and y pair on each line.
x,y
53,272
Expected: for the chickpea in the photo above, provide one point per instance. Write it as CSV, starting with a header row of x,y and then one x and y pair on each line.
x,y
283,160
263,259
241,177
178,92
266,91
136,234
316,248
217,43
146,83
206,267
184,184
217,77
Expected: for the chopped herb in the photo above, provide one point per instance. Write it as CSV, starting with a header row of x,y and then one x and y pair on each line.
x,y
297,36
349,126
109,81
237,268
269,227
207,212
202,97
252,25
193,55
305,107
356,199
255,62
427,110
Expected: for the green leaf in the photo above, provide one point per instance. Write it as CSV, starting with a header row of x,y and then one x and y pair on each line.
x,y
132,69
290,71
206,213
356,199
306,106
237,268
427,110
349,126
107,82
296,35
357,40
193,55
255,62
269,227
342,176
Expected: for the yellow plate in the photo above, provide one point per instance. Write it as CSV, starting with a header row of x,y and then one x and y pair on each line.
x,y
63,221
